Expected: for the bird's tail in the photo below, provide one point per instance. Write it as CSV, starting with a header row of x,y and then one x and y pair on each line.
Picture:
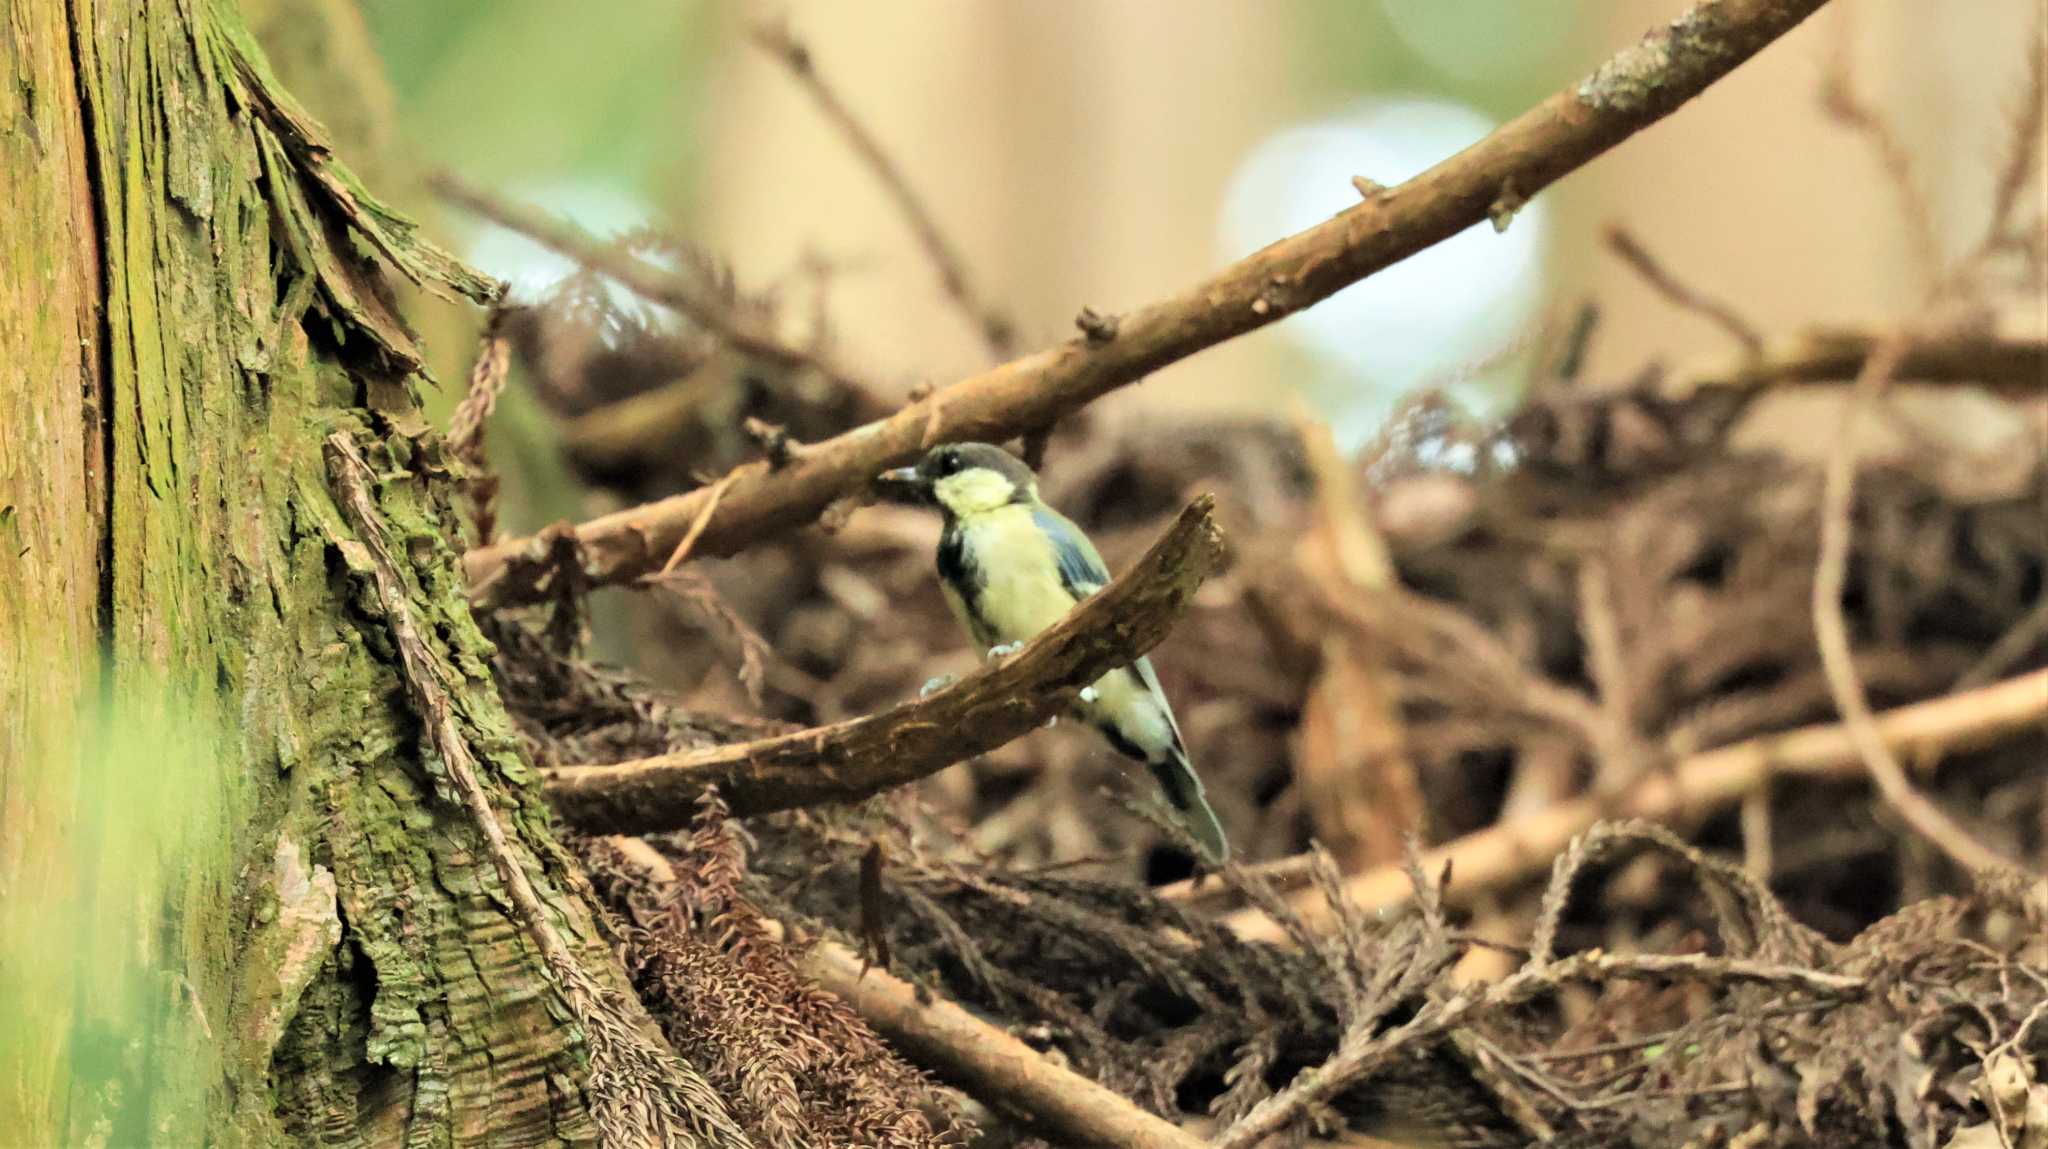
x,y
1183,790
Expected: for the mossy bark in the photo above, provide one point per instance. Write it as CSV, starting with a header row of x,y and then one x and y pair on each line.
x,y
238,903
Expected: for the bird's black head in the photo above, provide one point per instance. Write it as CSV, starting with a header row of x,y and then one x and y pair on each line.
x,y
966,478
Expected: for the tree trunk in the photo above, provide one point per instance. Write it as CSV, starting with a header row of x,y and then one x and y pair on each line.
x,y
246,894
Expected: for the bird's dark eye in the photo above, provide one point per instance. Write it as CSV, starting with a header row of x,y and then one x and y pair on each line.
x,y
947,463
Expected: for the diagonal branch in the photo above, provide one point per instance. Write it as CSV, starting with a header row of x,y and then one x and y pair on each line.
x,y
995,328
990,1064
658,284
1831,575
1630,250
1633,90
851,760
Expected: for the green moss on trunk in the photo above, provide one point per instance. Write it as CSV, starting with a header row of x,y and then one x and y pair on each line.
x,y
276,924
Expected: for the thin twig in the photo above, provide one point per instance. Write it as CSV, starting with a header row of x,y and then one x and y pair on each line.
x,y
996,331
703,306
2022,166
696,530
1840,99
1503,854
2012,646
1832,629
1635,89
1607,666
1631,251
1356,1062
851,760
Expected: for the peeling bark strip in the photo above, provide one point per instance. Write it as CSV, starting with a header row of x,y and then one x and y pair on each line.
x,y
1639,87
851,760
645,1094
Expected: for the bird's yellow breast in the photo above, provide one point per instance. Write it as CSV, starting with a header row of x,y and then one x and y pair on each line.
x,y
1021,592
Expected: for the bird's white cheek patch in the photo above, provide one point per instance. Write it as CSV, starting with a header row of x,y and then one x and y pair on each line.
x,y
974,490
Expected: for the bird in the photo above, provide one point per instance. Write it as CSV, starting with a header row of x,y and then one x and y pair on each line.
x,y
1010,567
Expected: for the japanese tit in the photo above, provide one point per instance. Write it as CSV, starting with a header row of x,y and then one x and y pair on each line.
x,y
1011,567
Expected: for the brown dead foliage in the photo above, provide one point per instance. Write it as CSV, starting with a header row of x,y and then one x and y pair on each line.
x,y
1468,624
1519,680
794,1064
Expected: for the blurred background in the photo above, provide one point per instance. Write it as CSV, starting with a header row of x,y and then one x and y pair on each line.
x,y
1106,154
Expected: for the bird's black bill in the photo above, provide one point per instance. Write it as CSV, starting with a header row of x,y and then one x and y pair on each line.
x,y
904,485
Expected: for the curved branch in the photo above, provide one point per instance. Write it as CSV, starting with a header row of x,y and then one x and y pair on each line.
x,y
851,760
1831,629
1635,89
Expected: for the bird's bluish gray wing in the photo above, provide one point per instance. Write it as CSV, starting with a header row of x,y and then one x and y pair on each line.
x,y
1081,568
1084,573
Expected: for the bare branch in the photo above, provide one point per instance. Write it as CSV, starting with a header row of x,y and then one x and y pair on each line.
x,y
697,528
2016,366
1838,661
995,328
997,1069
658,284
1631,251
1517,851
851,760
2022,166
1635,89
